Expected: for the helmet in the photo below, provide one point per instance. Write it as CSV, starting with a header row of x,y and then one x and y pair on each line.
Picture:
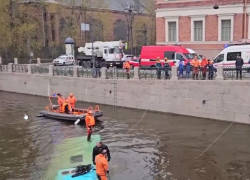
x,y
90,112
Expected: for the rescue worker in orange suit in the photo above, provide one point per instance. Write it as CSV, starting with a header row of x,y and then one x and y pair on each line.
x,y
66,108
204,63
90,123
196,64
126,66
98,149
60,100
72,100
102,167
158,66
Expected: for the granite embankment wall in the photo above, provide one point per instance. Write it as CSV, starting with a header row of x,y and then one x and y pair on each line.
x,y
222,100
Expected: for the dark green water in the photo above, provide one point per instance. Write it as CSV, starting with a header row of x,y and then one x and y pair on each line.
x,y
160,147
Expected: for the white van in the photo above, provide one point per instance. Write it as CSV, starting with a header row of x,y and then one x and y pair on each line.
x,y
227,56
193,53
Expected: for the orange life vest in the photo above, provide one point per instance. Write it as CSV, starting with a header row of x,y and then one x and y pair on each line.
x,y
195,63
126,65
89,120
72,101
63,107
60,101
204,62
101,165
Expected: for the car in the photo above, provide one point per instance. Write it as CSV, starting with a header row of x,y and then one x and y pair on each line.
x,y
134,63
127,57
64,60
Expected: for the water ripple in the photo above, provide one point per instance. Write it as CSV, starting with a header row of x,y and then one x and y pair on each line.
x,y
161,147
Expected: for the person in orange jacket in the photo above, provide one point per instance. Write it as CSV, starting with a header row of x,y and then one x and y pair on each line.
x,y
204,64
60,100
196,64
102,167
126,66
66,108
90,123
72,100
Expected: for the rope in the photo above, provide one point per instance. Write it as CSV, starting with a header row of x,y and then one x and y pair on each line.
x,y
140,119
215,140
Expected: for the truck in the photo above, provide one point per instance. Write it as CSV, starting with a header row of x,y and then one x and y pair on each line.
x,y
109,53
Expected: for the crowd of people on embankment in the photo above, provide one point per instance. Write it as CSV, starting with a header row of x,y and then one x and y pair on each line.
x,y
192,68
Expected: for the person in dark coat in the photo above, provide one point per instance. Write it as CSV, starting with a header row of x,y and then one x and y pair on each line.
x,y
97,65
188,69
98,149
166,68
238,65
210,70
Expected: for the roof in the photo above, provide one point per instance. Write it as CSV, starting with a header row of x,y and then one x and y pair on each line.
x,y
237,47
116,5
69,40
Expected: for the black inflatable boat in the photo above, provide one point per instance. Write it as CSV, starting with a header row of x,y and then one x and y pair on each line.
x,y
77,114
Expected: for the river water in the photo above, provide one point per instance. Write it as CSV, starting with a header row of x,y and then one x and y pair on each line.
x,y
160,147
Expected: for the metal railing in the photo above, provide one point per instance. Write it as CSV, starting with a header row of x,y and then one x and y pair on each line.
x,y
86,73
152,73
20,68
39,70
112,73
63,71
4,68
230,73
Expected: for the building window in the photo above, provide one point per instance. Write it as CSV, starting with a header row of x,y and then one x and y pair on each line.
x,y
198,30
225,30
198,27
171,31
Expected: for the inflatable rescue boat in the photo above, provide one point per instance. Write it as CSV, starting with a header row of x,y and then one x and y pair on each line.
x,y
53,112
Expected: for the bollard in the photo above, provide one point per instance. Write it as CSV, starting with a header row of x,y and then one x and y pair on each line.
x,y
103,73
10,67
75,73
15,61
38,60
29,69
219,73
174,73
136,72
51,70
1,61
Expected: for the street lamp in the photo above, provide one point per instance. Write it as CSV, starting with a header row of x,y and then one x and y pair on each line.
x,y
130,12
